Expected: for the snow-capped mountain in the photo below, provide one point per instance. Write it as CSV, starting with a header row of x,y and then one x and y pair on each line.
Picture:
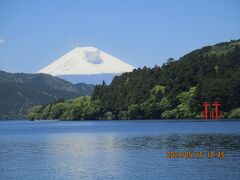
x,y
86,63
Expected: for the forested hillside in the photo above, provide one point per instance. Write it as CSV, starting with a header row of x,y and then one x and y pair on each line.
x,y
20,91
174,90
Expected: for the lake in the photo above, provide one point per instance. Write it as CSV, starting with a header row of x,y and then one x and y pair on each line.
x,y
119,149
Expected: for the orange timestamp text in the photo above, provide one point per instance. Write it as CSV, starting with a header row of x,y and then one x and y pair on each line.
x,y
195,155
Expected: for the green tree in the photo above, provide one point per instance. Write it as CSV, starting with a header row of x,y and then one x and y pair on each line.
x,y
235,113
185,99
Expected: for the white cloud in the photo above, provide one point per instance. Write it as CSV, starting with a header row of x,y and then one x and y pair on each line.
x,y
1,41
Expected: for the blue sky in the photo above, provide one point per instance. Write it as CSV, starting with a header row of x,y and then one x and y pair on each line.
x,y
140,32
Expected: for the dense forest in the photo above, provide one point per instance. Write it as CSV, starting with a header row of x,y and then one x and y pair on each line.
x,y
174,90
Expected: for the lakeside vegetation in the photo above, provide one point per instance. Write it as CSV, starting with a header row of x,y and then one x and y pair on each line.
x,y
174,90
21,91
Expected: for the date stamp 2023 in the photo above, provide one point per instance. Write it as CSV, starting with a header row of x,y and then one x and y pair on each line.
x,y
195,155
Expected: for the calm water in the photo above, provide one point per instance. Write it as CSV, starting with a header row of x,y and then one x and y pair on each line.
x,y
117,149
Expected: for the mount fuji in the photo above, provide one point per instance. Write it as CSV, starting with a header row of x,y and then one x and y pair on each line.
x,y
87,64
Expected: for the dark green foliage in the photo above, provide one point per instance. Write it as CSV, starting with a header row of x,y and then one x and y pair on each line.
x,y
175,90
19,92
213,70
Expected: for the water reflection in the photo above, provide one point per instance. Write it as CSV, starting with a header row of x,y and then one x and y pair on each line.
x,y
131,150
87,156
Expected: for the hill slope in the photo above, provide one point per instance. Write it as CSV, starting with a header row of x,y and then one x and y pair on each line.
x,y
174,90
20,91
213,70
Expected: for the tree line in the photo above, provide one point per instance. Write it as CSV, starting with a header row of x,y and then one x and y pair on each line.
x,y
174,90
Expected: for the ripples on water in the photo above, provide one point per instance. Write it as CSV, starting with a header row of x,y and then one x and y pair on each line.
x,y
55,153
182,142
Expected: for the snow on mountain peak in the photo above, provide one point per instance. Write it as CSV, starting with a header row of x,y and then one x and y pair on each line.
x,y
86,60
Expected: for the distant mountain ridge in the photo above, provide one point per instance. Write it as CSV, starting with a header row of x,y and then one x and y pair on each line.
x,y
89,79
87,64
20,91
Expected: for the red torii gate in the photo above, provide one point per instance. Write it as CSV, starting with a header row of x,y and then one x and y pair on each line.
x,y
214,114
205,113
